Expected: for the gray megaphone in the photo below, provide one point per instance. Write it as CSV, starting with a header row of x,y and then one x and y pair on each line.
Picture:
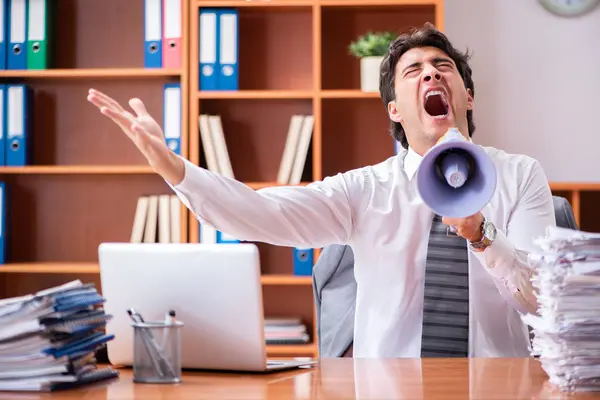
x,y
456,178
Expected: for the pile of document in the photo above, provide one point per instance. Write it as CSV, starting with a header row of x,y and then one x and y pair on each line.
x,y
567,328
285,331
48,339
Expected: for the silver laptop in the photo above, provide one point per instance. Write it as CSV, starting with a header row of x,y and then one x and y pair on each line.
x,y
215,290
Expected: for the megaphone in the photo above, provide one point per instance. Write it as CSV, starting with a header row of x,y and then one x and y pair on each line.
x,y
456,178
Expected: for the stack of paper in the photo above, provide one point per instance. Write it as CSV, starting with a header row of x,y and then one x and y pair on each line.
x,y
285,331
567,327
48,339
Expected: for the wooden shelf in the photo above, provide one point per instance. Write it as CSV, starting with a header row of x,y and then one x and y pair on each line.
x,y
299,349
93,268
77,169
307,3
373,3
50,268
286,280
348,94
579,186
84,73
255,3
256,94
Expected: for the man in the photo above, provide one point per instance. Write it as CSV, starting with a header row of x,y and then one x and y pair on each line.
x,y
427,88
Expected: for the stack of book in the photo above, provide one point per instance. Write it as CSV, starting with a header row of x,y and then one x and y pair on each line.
x,y
48,339
285,331
565,331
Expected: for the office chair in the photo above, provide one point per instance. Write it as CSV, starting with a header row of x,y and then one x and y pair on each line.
x,y
334,289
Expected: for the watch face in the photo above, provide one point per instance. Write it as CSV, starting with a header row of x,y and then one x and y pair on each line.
x,y
489,231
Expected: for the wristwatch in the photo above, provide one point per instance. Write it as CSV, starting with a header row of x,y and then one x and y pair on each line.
x,y
489,235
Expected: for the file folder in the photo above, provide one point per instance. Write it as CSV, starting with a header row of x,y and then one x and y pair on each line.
x,y
18,99
303,261
172,116
228,50
3,125
3,32
3,225
40,34
16,56
207,43
172,33
225,238
153,33
206,233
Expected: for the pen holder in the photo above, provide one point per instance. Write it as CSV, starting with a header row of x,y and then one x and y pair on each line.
x,y
157,352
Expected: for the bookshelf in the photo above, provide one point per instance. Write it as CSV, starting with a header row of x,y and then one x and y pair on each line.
x,y
84,177
82,186
293,59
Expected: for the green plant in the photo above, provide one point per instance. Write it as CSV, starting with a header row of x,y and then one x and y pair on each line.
x,y
372,44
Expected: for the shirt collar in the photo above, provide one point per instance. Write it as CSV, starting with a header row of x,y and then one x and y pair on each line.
x,y
411,162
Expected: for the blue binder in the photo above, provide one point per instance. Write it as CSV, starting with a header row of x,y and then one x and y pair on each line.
x,y
228,40
3,225
303,261
4,28
208,48
225,238
153,33
3,125
16,57
18,99
172,115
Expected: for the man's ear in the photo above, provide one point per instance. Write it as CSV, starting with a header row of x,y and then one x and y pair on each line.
x,y
393,112
470,101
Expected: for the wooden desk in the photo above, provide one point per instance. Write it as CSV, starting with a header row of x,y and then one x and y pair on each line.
x,y
519,378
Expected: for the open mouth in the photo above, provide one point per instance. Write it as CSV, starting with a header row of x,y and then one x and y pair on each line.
x,y
436,104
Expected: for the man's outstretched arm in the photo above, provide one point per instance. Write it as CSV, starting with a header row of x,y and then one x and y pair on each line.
x,y
311,216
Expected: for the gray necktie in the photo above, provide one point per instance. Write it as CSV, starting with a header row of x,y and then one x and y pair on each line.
x,y
446,303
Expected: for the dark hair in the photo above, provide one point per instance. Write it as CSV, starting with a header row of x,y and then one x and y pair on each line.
x,y
428,36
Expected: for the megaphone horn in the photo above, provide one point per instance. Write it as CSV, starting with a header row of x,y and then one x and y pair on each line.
x,y
456,178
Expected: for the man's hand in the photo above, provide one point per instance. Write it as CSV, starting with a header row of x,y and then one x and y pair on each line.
x,y
469,228
145,133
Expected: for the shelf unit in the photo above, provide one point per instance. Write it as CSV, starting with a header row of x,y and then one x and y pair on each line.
x,y
584,198
303,69
84,178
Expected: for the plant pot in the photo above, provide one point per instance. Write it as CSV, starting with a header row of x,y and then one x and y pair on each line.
x,y
369,73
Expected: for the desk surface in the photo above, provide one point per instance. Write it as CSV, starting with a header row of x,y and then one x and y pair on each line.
x,y
446,379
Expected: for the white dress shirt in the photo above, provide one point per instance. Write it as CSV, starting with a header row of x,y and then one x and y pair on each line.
x,y
379,213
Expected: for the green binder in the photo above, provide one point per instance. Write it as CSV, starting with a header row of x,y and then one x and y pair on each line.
x,y
40,33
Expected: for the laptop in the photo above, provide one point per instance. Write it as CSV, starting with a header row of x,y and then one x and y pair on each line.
x,y
214,289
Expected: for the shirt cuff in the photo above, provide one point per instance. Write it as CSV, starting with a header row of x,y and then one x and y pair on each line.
x,y
499,257
183,186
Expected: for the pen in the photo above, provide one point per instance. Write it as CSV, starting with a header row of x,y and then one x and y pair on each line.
x,y
137,318
169,320
170,317
152,347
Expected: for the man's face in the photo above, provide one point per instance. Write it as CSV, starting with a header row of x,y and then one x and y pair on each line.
x,y
430,97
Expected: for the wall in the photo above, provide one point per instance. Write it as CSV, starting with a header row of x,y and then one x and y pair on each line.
x,y
537,82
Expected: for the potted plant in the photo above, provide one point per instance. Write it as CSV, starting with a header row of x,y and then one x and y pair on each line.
x,y
370,49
